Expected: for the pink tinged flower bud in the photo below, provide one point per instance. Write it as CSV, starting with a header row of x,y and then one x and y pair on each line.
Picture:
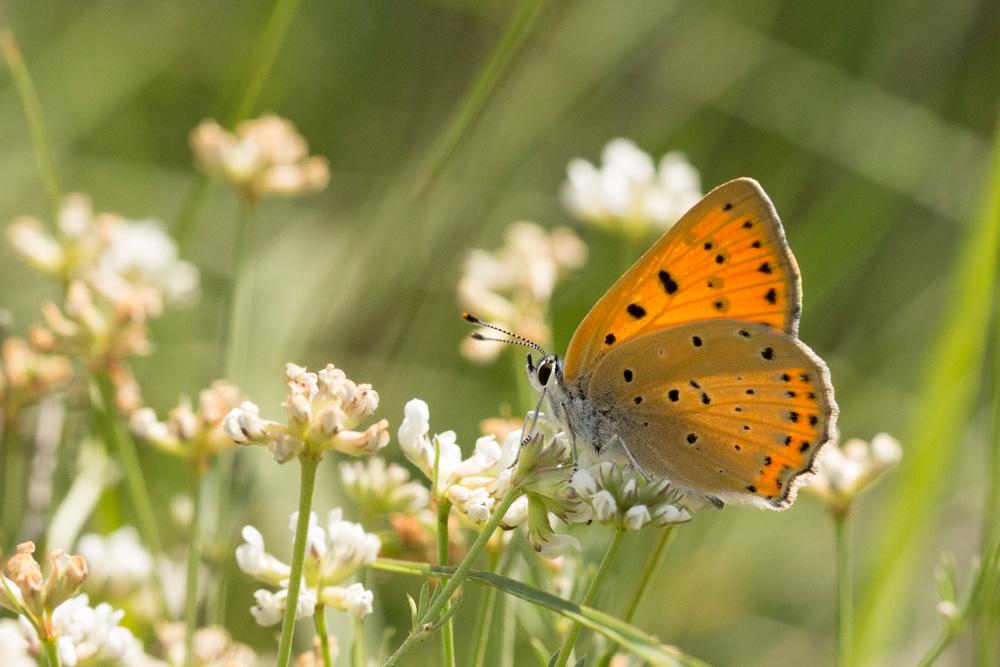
x,y
27,576
184,421
30,240
285,447
66,575
359,443
299,408
331,419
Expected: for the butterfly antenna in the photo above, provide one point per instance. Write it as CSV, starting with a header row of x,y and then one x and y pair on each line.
x,y
513,339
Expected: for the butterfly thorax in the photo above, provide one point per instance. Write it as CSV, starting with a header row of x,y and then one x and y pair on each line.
x,y
588,425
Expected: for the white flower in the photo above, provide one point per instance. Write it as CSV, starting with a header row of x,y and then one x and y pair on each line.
x,y
334,553
614,493
512,287
844,471
558,545
469,484
381,488
355,599
323,409
118,563
265,155
628,191
88,634
13,645
270,606
142,253
253,559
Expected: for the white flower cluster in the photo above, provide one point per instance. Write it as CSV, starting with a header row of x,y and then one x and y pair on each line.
x,y
843,471
333,555
132,263
88,635
468,483
512,287
213,647
629,192
195,436
118,563
612,493
383,488
264,156
26,375
323,409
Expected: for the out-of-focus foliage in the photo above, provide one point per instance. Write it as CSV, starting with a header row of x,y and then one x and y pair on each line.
x,y
869,124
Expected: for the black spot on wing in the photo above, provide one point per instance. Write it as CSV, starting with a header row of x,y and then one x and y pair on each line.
x,y
610,339
636,311
669,284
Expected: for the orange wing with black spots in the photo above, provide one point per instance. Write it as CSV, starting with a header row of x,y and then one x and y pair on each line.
x,y
729,408
726,258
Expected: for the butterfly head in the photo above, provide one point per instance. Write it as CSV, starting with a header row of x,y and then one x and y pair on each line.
x,y
547,374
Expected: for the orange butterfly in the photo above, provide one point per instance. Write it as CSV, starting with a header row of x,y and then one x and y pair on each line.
x,y
690,366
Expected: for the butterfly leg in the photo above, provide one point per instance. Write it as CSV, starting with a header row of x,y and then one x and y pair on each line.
x,y
572,436
631,459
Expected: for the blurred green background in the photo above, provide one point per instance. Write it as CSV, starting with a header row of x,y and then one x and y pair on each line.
x,y
870,124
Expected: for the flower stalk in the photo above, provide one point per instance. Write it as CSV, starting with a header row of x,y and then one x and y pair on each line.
x,y
484,619
32,108
844,588
309,464
425,625
358,647
319,618
193,563
14,476
51,652
592,589
237,324
128,457
448,631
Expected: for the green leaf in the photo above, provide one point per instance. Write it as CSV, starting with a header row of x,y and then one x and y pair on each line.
x,y
629,637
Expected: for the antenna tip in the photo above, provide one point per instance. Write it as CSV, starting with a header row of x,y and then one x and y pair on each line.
x,y
470,318
478,336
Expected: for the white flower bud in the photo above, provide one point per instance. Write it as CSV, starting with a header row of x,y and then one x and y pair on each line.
x,y
604,505
636,517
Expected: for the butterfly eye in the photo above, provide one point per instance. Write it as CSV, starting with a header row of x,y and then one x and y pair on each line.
x,y
544,372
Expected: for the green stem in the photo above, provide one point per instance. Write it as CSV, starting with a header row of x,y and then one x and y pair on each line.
x,y
653,564
128,458
14,476
32,108
236,328
444,594
193,563
988,628
448,631
935,651
319,618
844,588
308,483
588,597
484,617
358,645
51,652
472,105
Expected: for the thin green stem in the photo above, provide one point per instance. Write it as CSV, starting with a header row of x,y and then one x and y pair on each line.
x,y
652,566
194,561
463,120
13,478
935,651
484,617
425,625
51,652
236,327
358,645
32,108
845,594
309,466
988,628
128,458
588,597
319,618
448,631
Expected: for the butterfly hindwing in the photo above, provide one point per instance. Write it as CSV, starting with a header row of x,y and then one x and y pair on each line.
x,y
733,409
726,258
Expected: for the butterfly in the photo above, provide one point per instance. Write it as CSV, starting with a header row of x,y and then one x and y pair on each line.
x,y
690,365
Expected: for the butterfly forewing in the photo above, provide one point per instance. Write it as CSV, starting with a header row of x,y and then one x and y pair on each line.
x,y
733,409
726,258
